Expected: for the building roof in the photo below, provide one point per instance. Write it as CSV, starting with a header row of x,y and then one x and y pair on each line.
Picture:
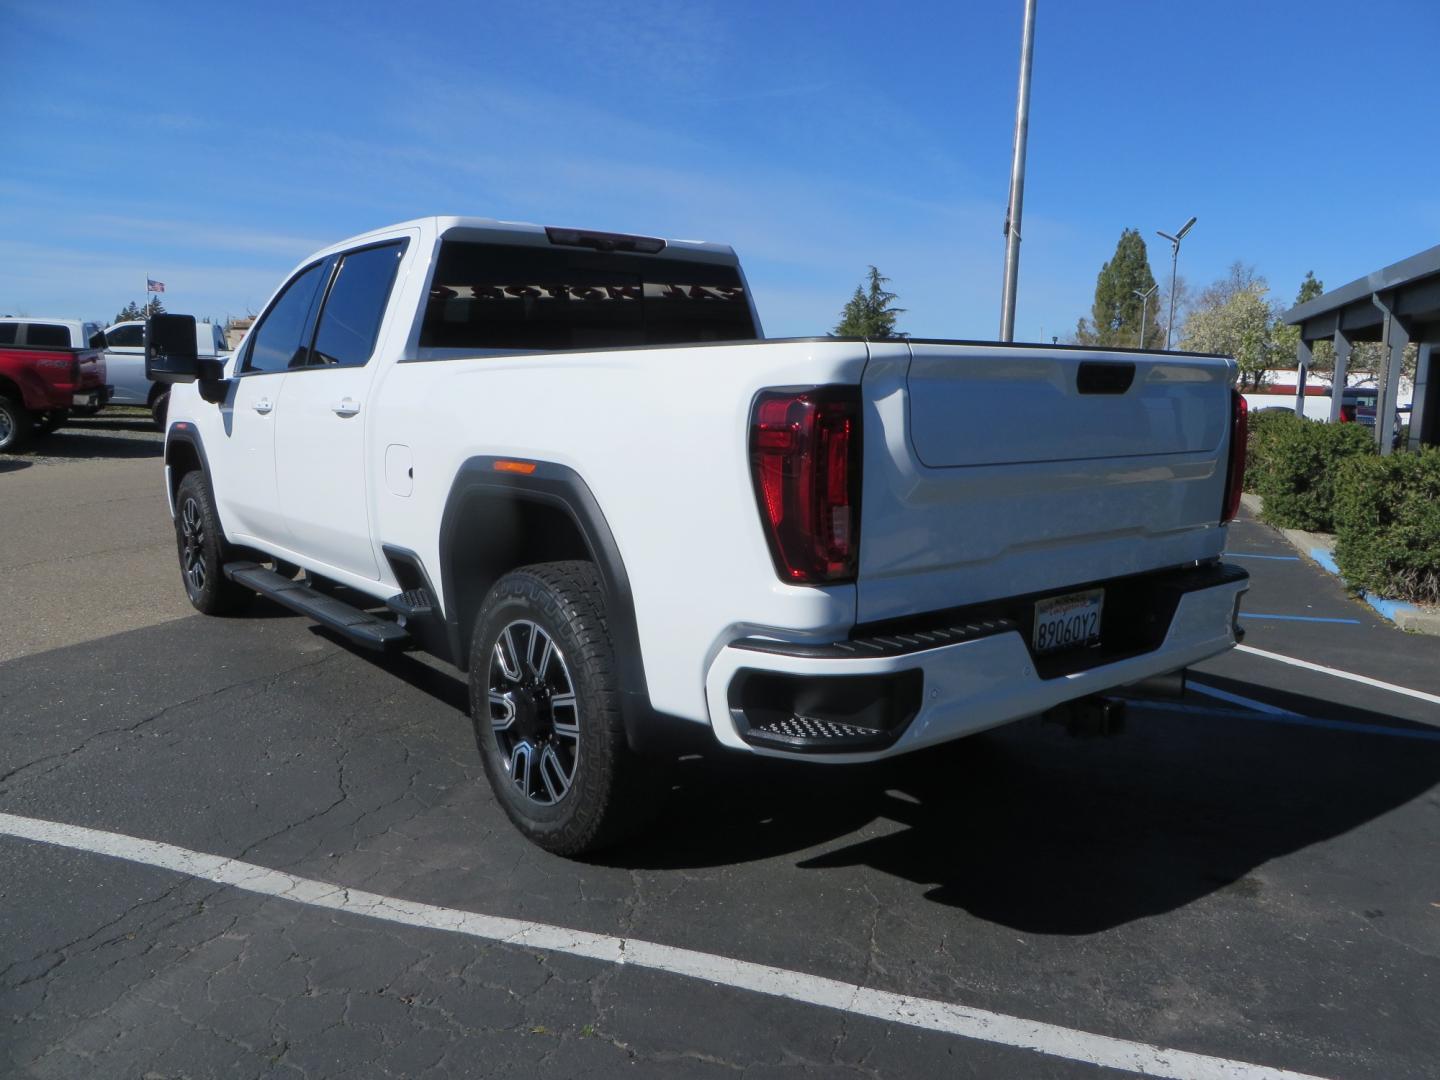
x,y
1411,287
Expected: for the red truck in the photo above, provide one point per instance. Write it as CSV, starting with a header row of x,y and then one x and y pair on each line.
x,y
47,367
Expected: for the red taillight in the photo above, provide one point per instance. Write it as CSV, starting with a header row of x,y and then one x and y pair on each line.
x,y
805,460
1239,440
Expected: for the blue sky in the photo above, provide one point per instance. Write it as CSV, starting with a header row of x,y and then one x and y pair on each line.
x,y
214,148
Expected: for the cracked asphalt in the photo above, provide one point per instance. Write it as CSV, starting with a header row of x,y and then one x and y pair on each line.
x,y
1208,880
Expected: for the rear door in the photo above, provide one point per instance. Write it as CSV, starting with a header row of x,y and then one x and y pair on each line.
x,y
996,471
320,429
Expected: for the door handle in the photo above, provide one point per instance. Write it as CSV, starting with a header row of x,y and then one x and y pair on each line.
x,y
263,405
346,406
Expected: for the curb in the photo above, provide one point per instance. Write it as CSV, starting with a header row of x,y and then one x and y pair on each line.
x,y
1319,548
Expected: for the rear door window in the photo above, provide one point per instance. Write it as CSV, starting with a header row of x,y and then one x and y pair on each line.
x,y
491,296
7,333
278,341
350,321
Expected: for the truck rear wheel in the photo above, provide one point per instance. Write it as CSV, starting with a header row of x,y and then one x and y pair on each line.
x,y
545,700
16,425
203,551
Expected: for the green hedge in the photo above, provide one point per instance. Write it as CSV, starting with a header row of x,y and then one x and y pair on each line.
x,y
1298,462
1387,512
1265,427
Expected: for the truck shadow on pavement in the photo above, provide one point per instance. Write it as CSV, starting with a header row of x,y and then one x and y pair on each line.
x,y
1031,829
10,464
70,444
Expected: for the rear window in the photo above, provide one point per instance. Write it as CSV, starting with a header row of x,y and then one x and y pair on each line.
x,y
47,336
489,296
7,333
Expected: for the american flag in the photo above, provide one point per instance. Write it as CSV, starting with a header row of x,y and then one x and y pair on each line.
x,y
151,285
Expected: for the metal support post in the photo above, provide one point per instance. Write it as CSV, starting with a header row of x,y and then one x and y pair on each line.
x,y
1425,410
1304,354
1396,337
1337,380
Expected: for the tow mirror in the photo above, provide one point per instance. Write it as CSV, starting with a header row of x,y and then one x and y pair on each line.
x,y
170,353
172,356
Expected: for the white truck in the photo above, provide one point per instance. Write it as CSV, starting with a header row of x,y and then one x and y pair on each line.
x,y
125,364
568,463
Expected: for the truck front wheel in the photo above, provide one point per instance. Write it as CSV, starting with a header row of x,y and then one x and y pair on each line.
x,y
160,407
545,701
203,550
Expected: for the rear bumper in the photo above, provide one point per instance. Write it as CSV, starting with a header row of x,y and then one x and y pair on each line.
x,y
910,691
91,399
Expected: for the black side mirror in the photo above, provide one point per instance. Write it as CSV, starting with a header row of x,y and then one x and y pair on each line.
x,y
170,353
210,371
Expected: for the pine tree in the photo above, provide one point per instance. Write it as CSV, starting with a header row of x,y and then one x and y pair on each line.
x,y
133,312
869,315
1310,288
1115,314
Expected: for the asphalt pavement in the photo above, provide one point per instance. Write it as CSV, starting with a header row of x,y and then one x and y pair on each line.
x,y
1247,883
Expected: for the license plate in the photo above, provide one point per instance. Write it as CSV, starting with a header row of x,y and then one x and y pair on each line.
x,y
1068,622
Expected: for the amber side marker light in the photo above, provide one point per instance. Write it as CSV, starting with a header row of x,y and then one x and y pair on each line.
x,y
524,467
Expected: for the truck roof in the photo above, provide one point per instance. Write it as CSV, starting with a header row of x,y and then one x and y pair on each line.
x,y
483,228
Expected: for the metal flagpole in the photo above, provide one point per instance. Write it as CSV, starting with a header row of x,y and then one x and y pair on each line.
x,y
1017,179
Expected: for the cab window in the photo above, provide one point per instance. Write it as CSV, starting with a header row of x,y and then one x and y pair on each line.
x,y
47,336
125,337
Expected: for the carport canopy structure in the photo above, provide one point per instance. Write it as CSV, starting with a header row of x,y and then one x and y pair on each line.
x,y
1395,306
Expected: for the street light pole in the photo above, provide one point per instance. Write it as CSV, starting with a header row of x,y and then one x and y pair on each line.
x,y
1174,263
1017,179
1144,307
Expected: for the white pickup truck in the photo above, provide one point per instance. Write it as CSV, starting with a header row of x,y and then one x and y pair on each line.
x,y
568,463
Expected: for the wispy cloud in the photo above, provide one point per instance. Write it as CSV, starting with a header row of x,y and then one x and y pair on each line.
x,y
47,279
192,236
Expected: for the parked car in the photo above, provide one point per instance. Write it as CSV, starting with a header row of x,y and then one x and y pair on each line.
x,y
1357,405
125,364
568,463
47,367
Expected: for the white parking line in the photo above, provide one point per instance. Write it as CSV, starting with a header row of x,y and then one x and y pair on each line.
x,y
1420,694
1281,716
1135,1057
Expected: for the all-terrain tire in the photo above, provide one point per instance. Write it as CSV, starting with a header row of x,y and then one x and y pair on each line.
x,y
203,550
17,425
608,790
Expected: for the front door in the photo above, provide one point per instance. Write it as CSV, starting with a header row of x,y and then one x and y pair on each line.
x,y
125,364
244,482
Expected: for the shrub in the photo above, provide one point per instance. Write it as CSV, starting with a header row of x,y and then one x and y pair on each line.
x,y
1265,426
1298,470
1387,515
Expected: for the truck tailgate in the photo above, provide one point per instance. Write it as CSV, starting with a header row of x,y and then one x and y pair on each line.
x,y
995,471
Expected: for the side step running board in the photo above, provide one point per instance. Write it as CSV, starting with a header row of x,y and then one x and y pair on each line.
x,y
359,626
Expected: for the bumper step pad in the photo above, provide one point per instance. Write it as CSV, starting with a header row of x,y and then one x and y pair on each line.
x,y
811,733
